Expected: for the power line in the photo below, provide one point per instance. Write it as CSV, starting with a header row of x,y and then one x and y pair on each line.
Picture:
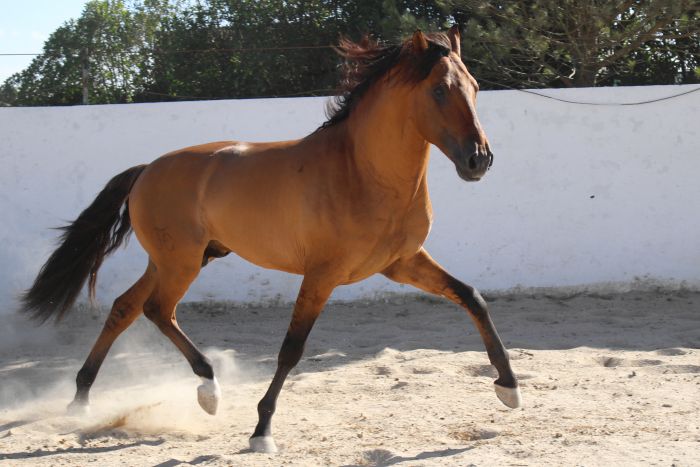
x,y
673,96
208,50
244,49
309,93
329,93
609,104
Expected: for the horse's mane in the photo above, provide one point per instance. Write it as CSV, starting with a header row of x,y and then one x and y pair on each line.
x,y
367,61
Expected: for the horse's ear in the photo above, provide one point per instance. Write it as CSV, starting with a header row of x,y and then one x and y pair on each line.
x,y
420,43
455,39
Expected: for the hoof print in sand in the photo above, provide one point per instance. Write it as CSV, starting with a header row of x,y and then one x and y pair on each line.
x,y
614,362
473,434
481,371
672,352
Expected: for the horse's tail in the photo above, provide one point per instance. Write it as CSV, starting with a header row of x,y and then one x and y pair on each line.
x,y
84,244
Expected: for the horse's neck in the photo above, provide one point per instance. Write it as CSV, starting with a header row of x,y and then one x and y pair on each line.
x,y
387,148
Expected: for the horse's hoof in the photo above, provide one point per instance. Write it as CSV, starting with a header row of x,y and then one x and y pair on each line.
x,y
78,408
509,396
263,444
208,395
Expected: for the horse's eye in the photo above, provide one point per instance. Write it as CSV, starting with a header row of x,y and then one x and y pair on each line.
x,y
439,93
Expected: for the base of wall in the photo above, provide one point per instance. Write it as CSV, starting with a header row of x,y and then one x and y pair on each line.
x,y
595,290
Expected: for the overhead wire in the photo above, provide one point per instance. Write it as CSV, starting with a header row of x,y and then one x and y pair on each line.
x,y
649,101
325,92
609,104
205,50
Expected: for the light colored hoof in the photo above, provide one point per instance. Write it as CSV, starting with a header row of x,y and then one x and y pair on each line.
x,y
78,409
509,396
263,444
208,395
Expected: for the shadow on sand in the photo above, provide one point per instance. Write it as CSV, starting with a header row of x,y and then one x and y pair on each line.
x,y
384,458
81,450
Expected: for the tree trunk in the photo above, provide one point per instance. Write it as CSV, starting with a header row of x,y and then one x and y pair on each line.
x,y
585,76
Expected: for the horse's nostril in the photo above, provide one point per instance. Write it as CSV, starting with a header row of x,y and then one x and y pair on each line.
x,y
472,162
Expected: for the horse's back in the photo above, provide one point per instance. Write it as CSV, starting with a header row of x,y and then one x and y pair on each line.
x,y
233,192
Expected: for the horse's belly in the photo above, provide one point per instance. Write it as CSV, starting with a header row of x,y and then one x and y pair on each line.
x,y
263,251
252,207
258,233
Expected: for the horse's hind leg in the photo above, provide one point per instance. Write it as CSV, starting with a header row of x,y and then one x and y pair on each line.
x,y
173,282
124,311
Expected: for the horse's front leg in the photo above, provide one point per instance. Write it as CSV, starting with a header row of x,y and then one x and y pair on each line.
x,y
312,297
423,272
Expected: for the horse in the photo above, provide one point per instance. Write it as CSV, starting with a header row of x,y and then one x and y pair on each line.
x,y
343,203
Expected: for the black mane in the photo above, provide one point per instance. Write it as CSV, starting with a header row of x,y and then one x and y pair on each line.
x,y
367,61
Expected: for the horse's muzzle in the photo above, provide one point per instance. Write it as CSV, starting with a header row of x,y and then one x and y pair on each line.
x,y
473,165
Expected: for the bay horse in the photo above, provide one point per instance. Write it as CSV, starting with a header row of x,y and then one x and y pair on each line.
x,y
337,206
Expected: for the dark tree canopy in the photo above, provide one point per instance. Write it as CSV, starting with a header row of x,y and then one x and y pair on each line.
x,y
123,51
581,43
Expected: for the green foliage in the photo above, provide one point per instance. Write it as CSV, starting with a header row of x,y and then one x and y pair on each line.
x,y
153,50
254,48
108,43
543,43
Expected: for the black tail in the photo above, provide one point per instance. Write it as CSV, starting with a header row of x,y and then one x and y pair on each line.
x,y
84,244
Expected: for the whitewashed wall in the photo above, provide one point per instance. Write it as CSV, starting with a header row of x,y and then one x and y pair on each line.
x,y
577,195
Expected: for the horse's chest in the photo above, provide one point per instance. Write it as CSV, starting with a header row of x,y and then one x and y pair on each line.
x,y
408,237
385,240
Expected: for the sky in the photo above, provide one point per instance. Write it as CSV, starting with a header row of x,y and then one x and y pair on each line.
x,y
26,24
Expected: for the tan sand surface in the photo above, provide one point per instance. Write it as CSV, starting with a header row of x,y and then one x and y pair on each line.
x,y
606,380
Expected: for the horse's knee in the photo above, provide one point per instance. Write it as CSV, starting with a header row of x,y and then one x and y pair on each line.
x,y
477,302
469,297
291,352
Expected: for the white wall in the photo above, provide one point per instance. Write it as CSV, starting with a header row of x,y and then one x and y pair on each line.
x,y
577,195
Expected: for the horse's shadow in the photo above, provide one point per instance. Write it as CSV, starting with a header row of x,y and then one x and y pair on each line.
x,y
384,458
196,461
77,450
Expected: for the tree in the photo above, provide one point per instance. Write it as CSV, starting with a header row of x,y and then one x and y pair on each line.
x,y
673,56
248,48
102,51
152,50
578,43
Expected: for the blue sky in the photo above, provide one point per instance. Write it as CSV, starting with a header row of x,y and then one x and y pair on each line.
x,y
26,24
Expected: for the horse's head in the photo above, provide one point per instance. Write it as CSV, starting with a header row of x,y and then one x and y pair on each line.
x,y
445,104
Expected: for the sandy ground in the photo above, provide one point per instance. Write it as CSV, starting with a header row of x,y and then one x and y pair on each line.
x,y
606,380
